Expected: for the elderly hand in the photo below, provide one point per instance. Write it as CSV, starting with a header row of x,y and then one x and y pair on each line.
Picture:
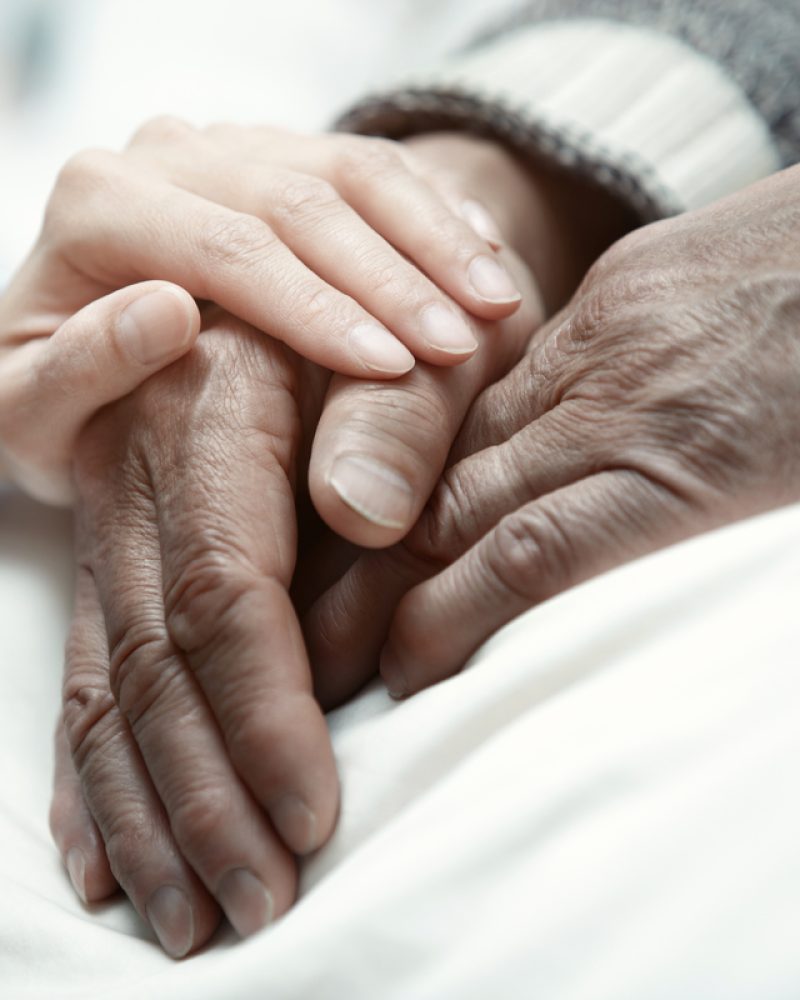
x,y
662,402
201,752
343,247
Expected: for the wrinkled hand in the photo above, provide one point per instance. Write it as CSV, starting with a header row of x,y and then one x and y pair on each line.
x,y
200,752
663,401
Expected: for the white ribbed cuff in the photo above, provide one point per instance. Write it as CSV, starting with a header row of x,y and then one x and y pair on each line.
x,y
608,98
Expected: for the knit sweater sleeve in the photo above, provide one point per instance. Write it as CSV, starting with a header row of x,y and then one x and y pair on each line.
x,y
668,104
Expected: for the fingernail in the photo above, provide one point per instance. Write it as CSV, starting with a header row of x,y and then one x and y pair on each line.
x,y
393,675
76,868
152,328
172,919
478,217
444,330
379,351
247,904
372,490
491,280
295,822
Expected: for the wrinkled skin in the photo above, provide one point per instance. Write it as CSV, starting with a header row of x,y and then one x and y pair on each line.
x,y
662,402
187,695
191,748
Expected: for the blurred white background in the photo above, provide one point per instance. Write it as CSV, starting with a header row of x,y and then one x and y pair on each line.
x,y
77,73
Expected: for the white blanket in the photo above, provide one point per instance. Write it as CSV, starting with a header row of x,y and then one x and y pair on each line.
x,y
605,804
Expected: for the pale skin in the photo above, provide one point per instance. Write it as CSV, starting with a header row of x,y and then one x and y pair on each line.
x,y
352,251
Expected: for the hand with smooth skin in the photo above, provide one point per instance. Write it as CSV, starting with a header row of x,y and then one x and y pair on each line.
x,y
662,402
342,247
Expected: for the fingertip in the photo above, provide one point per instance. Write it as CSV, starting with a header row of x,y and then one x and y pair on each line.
x,y
89,872
99,882
394,674
447,334
75,862
493,287
296,823
378,353
160,324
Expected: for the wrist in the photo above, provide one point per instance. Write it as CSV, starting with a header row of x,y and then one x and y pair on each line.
x,y
558,223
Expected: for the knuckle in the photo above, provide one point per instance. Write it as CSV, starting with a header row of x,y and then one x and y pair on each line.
x,y
141,668
205,596
202,815
442,228
236,240
89,710
367,160
616,260
251,739
386,278
319,304
303,199
448,525
627,276
131,838
529,547
84,179
160,130
84,170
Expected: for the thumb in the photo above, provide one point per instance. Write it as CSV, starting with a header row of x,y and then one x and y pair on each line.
x,y
49,388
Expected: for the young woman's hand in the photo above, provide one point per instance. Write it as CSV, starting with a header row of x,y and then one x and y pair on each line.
x,y
343,247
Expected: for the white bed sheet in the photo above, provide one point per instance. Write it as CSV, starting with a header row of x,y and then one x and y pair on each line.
x,y
605,804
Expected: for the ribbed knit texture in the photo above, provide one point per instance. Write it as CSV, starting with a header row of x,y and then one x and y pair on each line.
x,y
756,41
623,97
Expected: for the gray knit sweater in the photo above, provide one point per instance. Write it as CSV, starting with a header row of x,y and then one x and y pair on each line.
x,y
668,103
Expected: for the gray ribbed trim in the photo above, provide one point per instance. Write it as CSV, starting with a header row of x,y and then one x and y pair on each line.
x,y
756,41
412,111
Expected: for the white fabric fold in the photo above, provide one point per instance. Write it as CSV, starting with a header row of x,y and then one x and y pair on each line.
x,y
604,805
